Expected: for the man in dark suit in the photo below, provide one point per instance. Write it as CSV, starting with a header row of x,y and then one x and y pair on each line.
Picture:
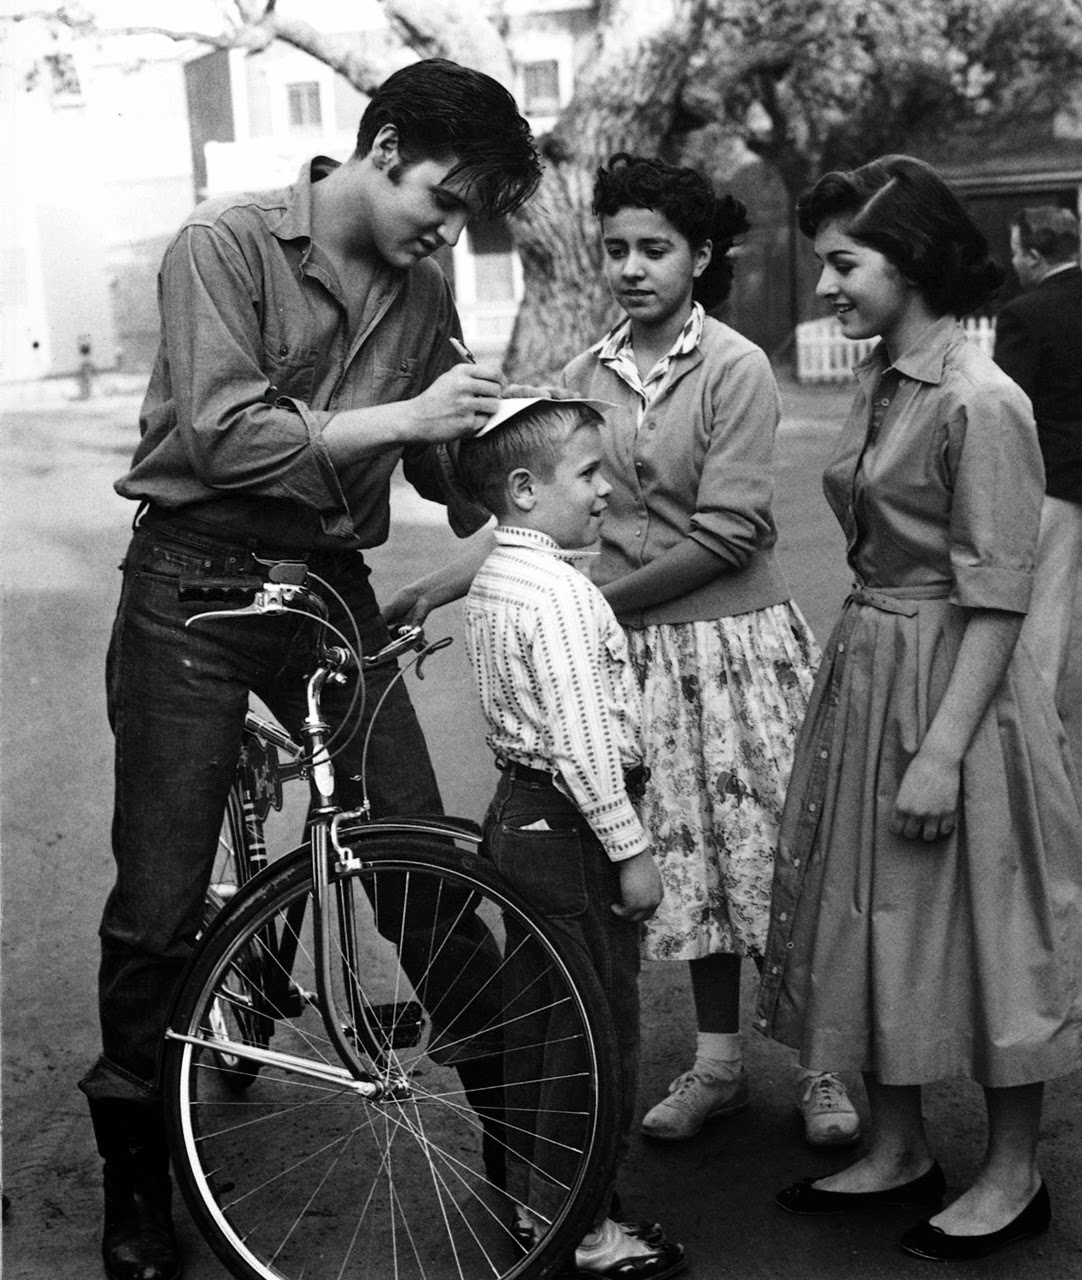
x,y
1039,344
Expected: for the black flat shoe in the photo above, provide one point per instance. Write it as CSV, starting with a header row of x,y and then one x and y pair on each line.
x,y
926,1241
802,1197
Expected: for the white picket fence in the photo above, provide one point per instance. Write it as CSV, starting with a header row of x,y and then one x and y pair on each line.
x,y
823,354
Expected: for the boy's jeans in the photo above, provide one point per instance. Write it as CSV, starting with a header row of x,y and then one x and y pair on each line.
x,y
565,874
177,698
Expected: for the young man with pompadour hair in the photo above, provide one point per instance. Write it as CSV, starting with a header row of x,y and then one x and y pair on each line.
x,y
306,347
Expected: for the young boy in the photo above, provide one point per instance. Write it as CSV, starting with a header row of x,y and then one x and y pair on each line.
x,y
564,721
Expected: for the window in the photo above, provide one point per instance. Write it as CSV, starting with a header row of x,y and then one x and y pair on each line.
x,y
541,88
304,108
491,245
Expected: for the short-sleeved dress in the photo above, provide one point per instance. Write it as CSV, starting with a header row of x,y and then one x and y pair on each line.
x,y
961,957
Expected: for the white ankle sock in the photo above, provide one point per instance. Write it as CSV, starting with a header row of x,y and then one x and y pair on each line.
x,y
718,1052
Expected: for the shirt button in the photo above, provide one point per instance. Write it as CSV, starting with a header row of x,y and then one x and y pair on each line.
x,y
796,862
885,403
811,806
775,968
283,350
762,1022
841,648
783,916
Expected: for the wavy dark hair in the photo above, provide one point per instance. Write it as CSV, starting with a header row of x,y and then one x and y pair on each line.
x,y
905,210
687,199
442,109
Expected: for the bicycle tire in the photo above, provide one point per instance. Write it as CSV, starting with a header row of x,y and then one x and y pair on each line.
x,y
303,1177
237,1018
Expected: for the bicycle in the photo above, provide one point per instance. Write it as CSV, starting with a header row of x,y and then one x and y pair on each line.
x,y
317,1062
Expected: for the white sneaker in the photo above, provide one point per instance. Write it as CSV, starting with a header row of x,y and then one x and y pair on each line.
x,y
694,1098
830,1119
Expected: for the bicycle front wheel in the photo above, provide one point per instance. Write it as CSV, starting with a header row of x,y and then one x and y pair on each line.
x,y
490,1085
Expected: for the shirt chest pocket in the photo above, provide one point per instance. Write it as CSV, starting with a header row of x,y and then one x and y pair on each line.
x,y
290,370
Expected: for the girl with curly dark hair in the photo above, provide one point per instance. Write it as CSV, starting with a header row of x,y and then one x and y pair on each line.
x,y
724,658
927,905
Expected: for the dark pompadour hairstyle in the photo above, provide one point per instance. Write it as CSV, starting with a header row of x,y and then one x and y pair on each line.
x,y
1050,230
904,210
534,439
441,109
687,199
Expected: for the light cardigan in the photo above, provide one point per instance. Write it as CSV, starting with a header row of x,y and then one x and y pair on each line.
x,y
699,465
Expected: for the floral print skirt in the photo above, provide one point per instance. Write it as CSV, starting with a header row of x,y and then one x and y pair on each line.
x,y
723,703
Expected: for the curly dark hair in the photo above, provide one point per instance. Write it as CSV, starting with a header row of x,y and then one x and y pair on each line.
x,y
905,210
687,199
440,108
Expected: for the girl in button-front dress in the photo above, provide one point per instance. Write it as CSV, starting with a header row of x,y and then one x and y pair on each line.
x,y
725,660
927,907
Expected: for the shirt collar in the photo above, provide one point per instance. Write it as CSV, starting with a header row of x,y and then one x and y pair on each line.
x,y
513,536
925,360
296,222
690,336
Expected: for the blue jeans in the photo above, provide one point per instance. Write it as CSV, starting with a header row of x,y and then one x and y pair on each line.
x,y
566,876
177,698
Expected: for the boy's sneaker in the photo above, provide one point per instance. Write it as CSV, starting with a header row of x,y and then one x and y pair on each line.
x,y
694,1098
830,1119
618,1253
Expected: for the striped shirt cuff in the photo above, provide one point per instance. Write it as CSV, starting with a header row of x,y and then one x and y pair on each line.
x,y
616,824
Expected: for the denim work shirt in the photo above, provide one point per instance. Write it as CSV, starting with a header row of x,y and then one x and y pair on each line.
x,y
256,357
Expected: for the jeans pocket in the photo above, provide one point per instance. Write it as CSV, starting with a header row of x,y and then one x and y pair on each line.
x,y
158,560
545,867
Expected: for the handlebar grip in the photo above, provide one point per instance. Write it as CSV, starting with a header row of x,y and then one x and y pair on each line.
x,y
227,589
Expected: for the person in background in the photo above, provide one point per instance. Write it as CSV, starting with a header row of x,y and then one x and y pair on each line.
x,y
723,656
926,919
1039,345
306,348
563,719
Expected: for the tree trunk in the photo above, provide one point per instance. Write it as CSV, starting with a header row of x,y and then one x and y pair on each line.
x,y
628,99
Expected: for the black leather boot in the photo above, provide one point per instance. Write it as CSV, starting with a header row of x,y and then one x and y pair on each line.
x,y
482,1078
138,1242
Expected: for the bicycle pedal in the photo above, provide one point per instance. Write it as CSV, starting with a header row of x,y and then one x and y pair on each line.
x,y
396,1025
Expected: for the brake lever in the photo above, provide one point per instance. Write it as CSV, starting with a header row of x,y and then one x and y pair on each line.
x,y
434,647
275,598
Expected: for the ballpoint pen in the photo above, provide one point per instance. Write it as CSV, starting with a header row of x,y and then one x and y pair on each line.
x,y
462,350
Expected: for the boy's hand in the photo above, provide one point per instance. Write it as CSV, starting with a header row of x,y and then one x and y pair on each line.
x,y
407,608
641,890
456,404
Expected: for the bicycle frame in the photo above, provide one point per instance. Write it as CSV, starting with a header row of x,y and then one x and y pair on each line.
x,y
325,820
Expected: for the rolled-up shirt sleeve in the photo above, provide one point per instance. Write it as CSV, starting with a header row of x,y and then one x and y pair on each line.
x,y
998,480
567,662
732,512
240,432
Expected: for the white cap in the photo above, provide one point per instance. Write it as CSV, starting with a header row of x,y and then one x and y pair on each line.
x,y
511,408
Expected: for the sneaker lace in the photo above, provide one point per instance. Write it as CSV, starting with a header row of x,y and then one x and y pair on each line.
x,y
826,1093
683,1088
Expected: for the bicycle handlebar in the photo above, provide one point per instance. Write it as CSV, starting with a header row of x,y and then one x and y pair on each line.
x,y
275,596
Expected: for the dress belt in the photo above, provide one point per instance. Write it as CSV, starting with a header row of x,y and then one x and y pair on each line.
x,y
902,600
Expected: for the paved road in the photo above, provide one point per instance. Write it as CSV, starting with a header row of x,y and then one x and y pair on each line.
x,y
63,533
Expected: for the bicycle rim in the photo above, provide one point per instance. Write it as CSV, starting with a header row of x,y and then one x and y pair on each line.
x,y
301,1175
